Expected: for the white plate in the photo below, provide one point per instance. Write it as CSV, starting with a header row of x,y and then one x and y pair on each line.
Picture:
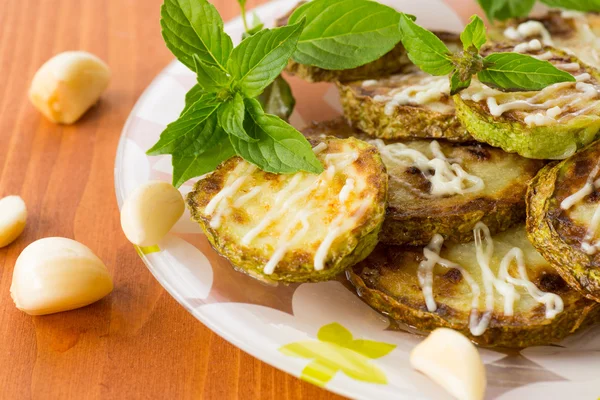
x,y
265,321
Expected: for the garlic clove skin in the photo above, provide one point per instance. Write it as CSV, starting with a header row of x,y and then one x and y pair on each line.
x,y
56,274
452,361
150,212
68,84
13,216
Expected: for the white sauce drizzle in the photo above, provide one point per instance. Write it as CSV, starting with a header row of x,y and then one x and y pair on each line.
x,y
504,283
533,45
547,99
587,246
447,178
320,148
218,203
529,29
369,83
431,90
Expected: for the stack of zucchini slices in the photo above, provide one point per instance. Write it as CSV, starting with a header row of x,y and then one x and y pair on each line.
x,y
444,211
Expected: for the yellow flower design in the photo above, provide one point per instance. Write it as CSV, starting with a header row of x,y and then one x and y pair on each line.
x,y
336,350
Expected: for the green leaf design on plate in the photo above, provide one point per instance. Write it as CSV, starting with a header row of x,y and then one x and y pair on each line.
x,y
142,251
337,351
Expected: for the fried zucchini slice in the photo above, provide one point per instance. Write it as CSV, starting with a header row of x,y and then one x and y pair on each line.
x,y
572,31
300,227
418,205
392,62
426,288
563,212
549,124
409,105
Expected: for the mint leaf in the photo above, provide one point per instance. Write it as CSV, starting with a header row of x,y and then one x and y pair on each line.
x,y
457,84
260,58
190,122
506,9
192,96
425,49
474,34
578,5
231,117
280,147
196,157
520,72
344,34
210,79
277,99
195,27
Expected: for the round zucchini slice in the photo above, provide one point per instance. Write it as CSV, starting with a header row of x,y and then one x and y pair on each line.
x,y
409,105
549,124
475,183
522,302
563,214
300,227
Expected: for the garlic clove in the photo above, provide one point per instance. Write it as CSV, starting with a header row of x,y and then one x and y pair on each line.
x,y
451,360
13,216
58,274
150,212
68,84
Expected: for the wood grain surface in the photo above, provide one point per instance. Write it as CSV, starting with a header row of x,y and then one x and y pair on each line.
x,y
138,343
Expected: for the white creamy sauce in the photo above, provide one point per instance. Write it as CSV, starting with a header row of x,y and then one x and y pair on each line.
x,y
591,184
218,206
527,30
447,178
298,226
503,283
425,273
431,90
369,83
548,99
532,45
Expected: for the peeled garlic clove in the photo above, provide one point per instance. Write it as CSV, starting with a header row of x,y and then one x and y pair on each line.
x,y
58,274
150,212
68,84
452,361
13,215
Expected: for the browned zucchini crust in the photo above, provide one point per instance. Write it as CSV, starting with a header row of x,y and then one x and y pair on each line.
x,y
405,121
558,234
295,213
387,281
414,218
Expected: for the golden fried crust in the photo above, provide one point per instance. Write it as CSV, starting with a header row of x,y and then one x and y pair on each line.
x,y
413,217
388,282
406,121
351,246
558,234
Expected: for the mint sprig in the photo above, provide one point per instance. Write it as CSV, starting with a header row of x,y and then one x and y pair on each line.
x,y
221,117
344,34
504,71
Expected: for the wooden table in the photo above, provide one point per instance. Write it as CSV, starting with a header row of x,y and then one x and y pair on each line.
x,y
138,342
